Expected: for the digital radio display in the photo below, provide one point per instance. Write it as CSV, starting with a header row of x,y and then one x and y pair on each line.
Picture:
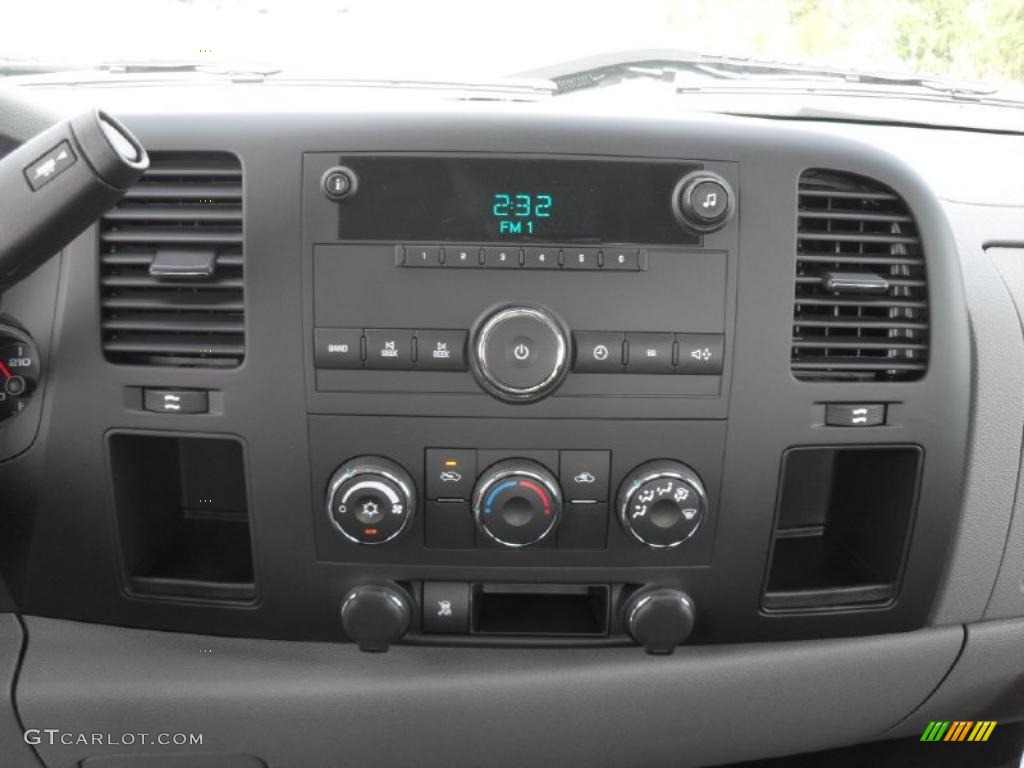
x,y
469,199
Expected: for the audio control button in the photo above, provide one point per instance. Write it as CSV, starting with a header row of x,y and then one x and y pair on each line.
x,y
388,349
501,257
598,351
649,352
581,258
422,256
540,258
625,260
462,256
699,353
702,201
440,350
337,347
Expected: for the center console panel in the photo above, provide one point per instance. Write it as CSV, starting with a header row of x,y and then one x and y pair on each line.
x,y
517,385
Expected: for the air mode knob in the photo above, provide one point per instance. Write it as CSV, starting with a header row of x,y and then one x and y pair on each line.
x,y
370,500
520,353
662,503
703,201
517,502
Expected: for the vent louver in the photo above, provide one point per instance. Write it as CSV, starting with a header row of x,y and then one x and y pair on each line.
x,y
861,306
171,265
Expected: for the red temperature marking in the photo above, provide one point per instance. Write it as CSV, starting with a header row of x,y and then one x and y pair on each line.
x,y
540,492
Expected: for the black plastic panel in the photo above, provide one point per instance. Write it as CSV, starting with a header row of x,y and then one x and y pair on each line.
x,y
735,430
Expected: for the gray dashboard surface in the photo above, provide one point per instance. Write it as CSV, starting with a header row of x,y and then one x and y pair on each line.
x,y
1008,593
997,417
291,704
13,749
987,682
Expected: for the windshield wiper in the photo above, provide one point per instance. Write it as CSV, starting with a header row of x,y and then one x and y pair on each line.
x,y
234,71
669,66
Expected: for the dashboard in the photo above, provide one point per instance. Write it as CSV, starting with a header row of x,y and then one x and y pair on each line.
x,y
521,392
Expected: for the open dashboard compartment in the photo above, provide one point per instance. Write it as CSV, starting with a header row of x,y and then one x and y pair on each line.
x,y
182,515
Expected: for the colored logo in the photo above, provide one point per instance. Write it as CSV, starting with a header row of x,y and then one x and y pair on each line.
x,y
958,730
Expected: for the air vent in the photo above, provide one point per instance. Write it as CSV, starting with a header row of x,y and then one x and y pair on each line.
x,y
861,307
171,265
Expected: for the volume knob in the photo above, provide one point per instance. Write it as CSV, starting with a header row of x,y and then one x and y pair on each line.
x,y
520,353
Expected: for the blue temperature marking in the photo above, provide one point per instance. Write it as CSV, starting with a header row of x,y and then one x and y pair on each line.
x,y
494,492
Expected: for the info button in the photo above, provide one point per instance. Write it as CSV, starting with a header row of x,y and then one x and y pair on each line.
x,y
598,351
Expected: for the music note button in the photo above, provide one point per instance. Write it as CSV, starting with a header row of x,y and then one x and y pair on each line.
x,y
703,201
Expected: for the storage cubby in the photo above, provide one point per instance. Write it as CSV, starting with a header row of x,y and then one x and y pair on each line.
x,y
540,609
183,516
842,526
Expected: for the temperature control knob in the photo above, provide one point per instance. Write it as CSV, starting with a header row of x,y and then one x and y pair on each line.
x,y
662,503
517,502
702,201
370,499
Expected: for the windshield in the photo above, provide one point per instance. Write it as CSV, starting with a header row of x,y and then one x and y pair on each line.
x,y
476,40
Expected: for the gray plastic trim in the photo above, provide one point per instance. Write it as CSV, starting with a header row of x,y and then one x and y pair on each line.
x,y
997,411
987,682
1007,598
14,752
299,703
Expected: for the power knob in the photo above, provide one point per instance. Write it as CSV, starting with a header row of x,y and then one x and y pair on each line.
x,y
519,353
703,201
662,503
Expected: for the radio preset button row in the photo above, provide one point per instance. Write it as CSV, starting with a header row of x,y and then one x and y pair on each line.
x,y
657,353
395,349
586,258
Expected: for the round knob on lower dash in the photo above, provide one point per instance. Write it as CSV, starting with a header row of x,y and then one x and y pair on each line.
x,y
517,502
376,615
370,500
660,618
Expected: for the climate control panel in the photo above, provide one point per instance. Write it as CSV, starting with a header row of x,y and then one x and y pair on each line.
x,y
516,502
